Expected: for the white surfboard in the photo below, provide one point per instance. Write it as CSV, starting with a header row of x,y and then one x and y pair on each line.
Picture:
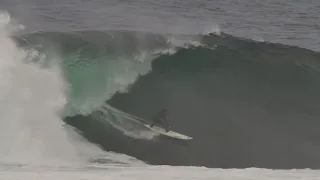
x,y
169,133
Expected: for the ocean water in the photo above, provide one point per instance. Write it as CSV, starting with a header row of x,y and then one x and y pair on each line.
x,y
151,172
241,78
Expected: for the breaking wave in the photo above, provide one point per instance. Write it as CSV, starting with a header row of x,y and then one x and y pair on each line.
x,y
33,94
246,103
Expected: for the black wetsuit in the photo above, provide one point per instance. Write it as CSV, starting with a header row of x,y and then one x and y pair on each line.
x,y
161,118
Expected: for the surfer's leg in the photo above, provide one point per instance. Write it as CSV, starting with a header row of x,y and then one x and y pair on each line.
x,y
165,124
154,121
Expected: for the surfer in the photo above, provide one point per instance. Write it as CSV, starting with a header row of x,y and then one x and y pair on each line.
x,y
161,118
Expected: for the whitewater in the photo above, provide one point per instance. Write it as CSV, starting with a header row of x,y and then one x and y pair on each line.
x,y
35,143
33,97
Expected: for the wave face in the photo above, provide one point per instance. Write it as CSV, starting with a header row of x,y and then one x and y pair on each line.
x,y
246,103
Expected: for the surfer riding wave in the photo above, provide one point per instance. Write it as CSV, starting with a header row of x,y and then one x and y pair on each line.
x,y
161,118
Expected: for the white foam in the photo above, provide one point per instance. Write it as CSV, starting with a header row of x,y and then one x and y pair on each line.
x,y
156,173
130,125
31,101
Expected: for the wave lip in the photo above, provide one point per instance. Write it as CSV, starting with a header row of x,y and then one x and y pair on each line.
x,y
98,64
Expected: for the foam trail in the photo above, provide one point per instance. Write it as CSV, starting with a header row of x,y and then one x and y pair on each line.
x,y
128,124
31,100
